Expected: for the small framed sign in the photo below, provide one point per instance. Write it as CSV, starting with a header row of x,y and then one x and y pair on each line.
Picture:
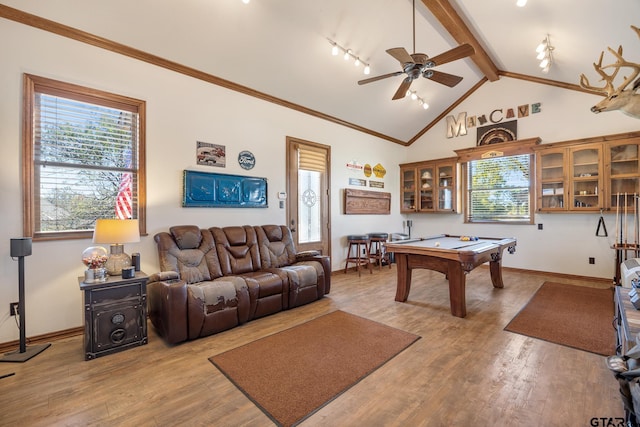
x,y
246,159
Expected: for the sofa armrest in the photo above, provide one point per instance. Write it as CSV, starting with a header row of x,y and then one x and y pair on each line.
x,y
167,302
324,260
306,254
163,276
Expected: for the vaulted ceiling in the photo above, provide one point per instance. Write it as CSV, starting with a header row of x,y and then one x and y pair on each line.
x,y
279,50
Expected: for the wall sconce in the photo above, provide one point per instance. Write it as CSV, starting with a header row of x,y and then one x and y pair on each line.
x,y
116,232
521,3
544,50
348,54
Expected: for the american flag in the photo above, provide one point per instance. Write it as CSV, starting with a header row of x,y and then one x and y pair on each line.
x,y
124,205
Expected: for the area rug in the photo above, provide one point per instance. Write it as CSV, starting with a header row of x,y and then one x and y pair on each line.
x,y
293,373
574,316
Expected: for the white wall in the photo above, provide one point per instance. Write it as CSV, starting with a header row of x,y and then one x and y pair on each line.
x,y
567,240
180,111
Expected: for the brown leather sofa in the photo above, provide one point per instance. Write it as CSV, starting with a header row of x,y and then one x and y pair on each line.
x,y
214,279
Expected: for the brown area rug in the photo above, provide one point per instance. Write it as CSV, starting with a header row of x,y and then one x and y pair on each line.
x,y
574,316
293,373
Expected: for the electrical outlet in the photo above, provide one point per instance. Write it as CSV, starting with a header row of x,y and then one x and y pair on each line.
x,y
13,308
539,226
592,260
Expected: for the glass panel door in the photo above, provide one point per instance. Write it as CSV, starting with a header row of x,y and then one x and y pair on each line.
x,y
445,187
427,188
585,165
408,190
624,174
552,180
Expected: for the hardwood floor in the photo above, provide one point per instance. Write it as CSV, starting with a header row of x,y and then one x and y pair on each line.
x,y
462,372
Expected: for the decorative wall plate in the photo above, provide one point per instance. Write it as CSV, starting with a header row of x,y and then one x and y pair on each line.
x,y
247,160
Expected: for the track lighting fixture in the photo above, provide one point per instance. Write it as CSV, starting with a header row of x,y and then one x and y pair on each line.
x,y
348,54
544,51
414,96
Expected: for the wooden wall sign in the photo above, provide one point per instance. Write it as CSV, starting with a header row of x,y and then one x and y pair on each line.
x,y
364,202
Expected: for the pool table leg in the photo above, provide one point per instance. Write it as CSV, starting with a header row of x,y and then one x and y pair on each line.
x,y
457,294
404,277
495,268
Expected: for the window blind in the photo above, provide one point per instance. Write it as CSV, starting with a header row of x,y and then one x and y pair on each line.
x,y
311,160
85,163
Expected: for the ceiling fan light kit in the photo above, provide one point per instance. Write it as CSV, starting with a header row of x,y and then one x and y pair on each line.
x,y
419,64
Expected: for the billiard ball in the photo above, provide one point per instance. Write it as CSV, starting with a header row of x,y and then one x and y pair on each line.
x,y
437,244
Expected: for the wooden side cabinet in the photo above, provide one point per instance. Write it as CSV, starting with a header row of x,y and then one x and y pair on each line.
x,y
115,314
429,186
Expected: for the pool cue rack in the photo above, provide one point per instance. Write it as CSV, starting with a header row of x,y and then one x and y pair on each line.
x,y
623,243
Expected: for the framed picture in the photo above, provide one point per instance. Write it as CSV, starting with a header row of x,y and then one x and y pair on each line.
x,y
211,154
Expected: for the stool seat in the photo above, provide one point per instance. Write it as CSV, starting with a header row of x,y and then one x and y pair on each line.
x,y
358,242
378,235
376,249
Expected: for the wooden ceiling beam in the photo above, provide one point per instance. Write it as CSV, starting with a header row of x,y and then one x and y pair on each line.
x,y
453,23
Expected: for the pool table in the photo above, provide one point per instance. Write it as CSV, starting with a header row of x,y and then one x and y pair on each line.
x,y
453,257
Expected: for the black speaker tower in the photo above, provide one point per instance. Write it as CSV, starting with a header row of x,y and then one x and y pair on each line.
x,y
20,248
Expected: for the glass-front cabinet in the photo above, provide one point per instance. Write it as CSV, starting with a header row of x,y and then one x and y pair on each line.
x,y
429,186
588,176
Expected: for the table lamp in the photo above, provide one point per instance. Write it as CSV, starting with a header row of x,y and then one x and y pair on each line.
x,y
116,232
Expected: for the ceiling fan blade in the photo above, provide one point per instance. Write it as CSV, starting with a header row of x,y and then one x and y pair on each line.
x,y
375,79
443,78
459,52
400,54
402,90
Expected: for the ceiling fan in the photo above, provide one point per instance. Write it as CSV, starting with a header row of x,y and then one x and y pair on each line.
x,y
419,64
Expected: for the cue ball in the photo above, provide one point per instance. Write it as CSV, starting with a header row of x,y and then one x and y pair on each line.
x,y
437,244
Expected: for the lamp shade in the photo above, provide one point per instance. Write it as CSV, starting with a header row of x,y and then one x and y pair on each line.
x,y
116,231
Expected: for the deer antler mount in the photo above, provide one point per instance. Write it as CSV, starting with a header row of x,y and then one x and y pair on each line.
x,y
623,97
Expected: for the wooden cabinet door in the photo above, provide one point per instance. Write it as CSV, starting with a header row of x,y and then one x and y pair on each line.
x,y
446,173
427,182
552,183
623,177
585,178
408,187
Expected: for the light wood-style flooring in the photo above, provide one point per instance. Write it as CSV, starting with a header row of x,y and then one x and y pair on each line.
x,y
462,372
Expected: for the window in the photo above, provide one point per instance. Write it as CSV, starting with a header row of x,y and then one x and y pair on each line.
x,y
499,189
83,159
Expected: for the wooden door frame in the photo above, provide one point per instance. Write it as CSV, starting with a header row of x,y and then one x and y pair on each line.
x,y
292,192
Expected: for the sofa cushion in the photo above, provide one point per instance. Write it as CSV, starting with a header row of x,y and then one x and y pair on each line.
x,y
193,264
276,246
186,236
237,249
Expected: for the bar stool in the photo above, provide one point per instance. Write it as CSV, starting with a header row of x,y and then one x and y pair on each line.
x,y
376,250
359,242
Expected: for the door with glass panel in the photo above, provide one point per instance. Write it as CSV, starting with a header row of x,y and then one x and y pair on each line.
x,y
308,179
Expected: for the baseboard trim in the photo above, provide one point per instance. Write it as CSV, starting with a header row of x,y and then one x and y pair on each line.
x,y
51,336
